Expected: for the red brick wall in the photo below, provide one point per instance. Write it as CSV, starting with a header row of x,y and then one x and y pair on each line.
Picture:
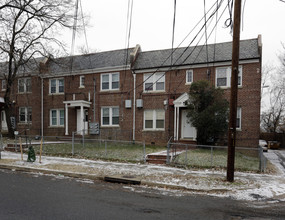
x,y
248,100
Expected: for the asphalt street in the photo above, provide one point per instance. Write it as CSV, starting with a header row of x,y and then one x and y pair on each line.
x,y
36,196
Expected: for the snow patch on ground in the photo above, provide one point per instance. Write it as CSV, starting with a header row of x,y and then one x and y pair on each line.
x,y
247,186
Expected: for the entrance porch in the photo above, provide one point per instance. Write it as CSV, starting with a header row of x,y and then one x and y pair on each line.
x,y
81,108
183,129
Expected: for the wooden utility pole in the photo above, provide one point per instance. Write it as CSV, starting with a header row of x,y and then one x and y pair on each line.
x,y
234,92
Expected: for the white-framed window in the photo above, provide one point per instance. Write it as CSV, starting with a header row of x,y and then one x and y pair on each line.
x,y
25,114
56,86
238,123
110,116
24,85
110,81
154,119
3,85
223,76
154,82
57,117
82,82
189,76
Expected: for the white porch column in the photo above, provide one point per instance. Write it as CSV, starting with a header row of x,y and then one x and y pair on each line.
x,y
66,119
175,121
178,119
81,119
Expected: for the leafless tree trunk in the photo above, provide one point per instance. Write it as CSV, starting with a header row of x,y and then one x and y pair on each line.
x,y
272,119
27,30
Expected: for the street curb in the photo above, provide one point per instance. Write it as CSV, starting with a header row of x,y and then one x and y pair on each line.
x,y
102,178
47,171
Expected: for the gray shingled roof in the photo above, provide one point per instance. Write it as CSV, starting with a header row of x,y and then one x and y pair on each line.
x,y
145,60
196,55
116,58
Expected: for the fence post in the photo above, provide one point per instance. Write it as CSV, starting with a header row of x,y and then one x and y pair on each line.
x,y
144,156
73,143
186,155
83,138
168,156
43,143
211,156
261,160
105,148
15,143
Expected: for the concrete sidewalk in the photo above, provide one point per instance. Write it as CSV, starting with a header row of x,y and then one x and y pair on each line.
x,y
247,186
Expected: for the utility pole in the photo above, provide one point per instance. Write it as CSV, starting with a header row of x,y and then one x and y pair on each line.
x,y
234,92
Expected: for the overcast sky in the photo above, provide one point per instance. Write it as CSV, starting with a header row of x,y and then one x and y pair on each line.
x,y
152,24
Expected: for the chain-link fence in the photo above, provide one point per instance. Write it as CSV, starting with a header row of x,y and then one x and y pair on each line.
x,y
83,147
178,154
204,156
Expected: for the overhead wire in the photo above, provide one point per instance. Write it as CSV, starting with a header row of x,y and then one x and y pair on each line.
x,y
214,54
84,28
243,9
157,69
74,28
195,47
128,36
229,22
206,36
173,30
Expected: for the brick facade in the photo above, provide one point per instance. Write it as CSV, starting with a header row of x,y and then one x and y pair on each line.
x,y
174,86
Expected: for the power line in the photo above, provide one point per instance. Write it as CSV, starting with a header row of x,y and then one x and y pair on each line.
x,y
210,17
183,41
202,46
84,27
128,34
74,28
206,37
173,29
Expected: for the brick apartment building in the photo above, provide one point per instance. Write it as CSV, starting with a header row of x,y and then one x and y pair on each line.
x,y
133,95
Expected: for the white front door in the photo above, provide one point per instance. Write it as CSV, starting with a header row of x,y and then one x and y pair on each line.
x,y
3,121
187,130
82,124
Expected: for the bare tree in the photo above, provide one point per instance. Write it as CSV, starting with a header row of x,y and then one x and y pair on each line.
x,y
272,119
27,30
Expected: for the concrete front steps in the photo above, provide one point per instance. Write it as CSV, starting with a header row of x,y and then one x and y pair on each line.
x,y
161,157
157,158
177,148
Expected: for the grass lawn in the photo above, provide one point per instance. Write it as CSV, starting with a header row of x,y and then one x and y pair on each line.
x,y
117,151
128,152
202,158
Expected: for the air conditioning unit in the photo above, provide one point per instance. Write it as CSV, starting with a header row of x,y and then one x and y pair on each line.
x,y
139,103
128,103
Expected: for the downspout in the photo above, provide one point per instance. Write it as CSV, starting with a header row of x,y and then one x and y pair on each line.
x,y
134,108
42,107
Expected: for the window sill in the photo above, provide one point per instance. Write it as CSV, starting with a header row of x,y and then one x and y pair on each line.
x,y
153,130
110,90
188,83
81,87
110,126
157,91
20,93
24,123
54,126
62,93
227,87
